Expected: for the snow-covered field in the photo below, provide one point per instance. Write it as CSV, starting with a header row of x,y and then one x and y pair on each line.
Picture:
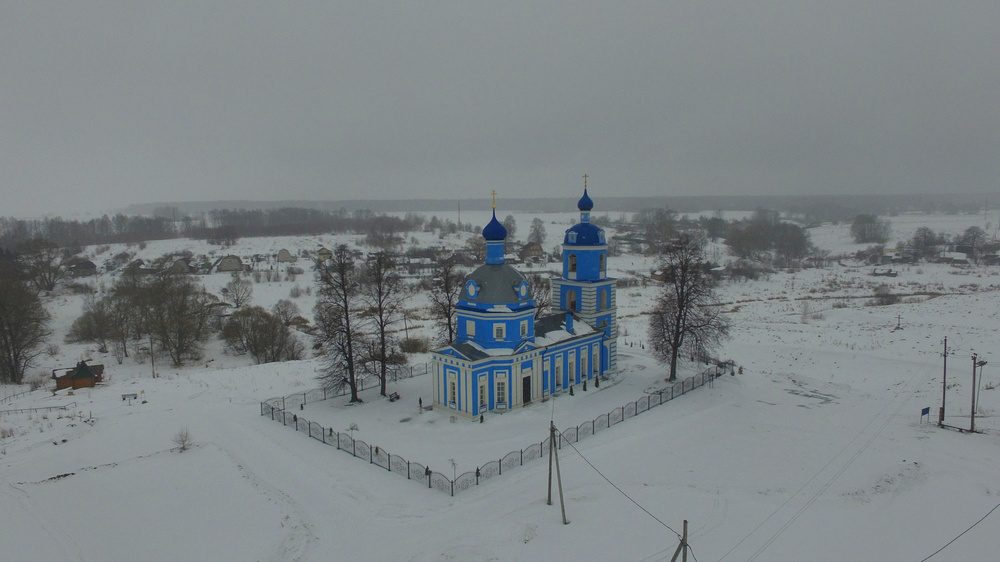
x,y
815,452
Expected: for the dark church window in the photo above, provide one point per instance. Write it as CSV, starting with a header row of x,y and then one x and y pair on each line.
x,y
572,263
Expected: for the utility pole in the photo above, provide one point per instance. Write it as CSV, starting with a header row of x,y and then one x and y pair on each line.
x,y
554,452
944,384
972,417
682,549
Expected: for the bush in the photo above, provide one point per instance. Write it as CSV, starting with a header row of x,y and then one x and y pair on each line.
x,y
263,335
884,296
415,345
182,439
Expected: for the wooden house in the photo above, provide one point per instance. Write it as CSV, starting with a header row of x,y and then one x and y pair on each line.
x,y
84,268
228,264
532,252
81,376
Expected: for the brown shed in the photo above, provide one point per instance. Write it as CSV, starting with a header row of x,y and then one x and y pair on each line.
x,y
81,376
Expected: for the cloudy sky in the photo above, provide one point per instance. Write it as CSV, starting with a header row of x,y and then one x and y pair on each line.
x,y
103,104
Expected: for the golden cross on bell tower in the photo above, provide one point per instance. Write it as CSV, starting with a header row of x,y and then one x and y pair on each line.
x,y
494,193
585,181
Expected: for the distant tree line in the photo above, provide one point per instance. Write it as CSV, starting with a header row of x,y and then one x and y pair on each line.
x,y
222,226
926,244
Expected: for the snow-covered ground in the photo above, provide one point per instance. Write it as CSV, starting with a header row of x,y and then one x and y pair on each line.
x,y
817,451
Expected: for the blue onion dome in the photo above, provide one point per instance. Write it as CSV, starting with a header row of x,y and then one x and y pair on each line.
x,y
584,234
494,230
586,203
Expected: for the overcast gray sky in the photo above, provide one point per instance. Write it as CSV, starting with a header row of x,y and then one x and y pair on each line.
x,y
103,104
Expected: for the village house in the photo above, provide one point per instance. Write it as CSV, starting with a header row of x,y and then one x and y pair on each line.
x,y
228,264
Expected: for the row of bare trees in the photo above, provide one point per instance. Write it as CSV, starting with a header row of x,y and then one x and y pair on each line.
x,y
175,315
357,308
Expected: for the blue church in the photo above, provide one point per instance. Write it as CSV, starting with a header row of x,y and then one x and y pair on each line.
x,y
503,357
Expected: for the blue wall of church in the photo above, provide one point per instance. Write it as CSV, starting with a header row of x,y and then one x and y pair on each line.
x,y
484,329
588,263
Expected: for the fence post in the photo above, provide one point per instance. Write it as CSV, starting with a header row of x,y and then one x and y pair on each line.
x,y
407,470
500,469
522,457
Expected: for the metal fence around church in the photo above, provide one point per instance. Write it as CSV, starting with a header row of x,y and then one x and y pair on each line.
x,y
278,409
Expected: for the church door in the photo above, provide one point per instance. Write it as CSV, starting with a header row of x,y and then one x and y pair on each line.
x,y
526,389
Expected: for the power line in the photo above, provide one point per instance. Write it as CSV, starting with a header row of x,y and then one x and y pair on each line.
x,y
962,533
620,491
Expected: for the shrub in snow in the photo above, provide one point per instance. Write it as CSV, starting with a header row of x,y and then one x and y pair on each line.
x,y
182,439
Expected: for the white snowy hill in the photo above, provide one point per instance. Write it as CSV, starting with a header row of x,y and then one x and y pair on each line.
x,y
817,451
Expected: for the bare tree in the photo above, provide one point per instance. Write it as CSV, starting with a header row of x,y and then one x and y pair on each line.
x,y
541,290
255,331
537,231
238,291
178,311
43,263
476,248
23,322
682,319
286,311
335,310
974,238
445,290
94,325
511,225
870,229
383,292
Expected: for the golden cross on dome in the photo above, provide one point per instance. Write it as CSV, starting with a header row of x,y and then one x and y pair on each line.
x,y
585,181
494,193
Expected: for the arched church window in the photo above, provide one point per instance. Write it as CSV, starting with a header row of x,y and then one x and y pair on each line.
x,y
604,301
572,263
571,300
604,265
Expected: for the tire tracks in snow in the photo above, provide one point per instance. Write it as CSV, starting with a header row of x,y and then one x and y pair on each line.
x,y
59,537
298,542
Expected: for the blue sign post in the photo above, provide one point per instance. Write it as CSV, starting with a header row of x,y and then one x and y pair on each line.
x,y
925,412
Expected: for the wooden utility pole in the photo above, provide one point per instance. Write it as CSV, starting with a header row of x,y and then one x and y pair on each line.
x,y
554,452
682,549
944,383
972,416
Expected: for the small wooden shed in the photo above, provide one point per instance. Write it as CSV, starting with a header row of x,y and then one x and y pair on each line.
x,y
81,376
